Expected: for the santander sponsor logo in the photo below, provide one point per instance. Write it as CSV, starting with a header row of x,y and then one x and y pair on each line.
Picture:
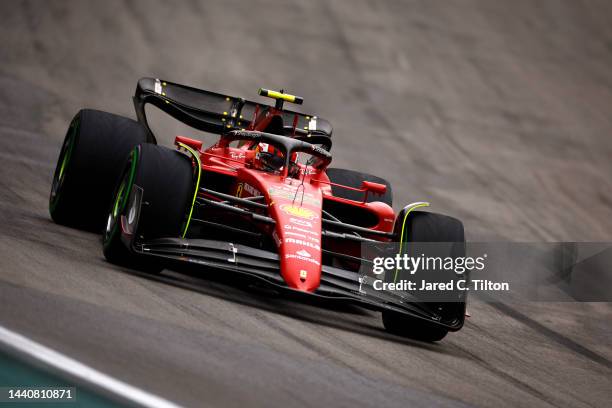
x,y
303,258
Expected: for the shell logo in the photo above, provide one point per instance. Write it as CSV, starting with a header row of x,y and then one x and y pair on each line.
x,y
300,212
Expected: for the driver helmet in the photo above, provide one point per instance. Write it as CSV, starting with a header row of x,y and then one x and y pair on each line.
x,y
271,159
268,158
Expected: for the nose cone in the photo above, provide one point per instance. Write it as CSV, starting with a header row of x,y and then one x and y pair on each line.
x,y
300,265
300,249
296,209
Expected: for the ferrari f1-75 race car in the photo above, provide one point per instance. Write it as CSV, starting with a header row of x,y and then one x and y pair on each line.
x,y
261,202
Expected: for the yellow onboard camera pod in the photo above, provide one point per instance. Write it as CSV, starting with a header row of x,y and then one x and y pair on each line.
x,y
280,97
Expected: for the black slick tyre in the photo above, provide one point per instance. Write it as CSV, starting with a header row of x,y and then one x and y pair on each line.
x,y
429,227
89,164
165,178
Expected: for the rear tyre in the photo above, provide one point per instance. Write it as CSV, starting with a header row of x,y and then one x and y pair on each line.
x,y
89,164
429,227
354,179
165,178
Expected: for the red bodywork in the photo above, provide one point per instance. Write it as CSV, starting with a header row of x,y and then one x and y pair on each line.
x,y
295,204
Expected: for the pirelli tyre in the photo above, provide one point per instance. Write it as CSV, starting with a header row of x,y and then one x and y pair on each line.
x,y
354,179
89,164
429,227
164,178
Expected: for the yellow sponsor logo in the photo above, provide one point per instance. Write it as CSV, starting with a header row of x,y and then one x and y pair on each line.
x,y
300,212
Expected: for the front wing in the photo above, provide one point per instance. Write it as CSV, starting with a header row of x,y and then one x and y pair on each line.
x,y
262,265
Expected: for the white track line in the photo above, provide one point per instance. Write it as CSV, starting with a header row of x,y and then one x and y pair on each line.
x,y
10,340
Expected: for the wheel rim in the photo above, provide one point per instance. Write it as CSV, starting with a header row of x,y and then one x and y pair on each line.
x,y
121,197
59,176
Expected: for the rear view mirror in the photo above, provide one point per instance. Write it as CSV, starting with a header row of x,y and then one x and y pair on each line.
x,y
375,188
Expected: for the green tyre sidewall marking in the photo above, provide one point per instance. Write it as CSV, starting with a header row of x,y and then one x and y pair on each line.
x,y
402,243
63,163
122,196
198,162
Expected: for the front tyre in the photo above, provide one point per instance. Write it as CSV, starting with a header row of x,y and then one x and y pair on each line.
x,y
164,177
423,227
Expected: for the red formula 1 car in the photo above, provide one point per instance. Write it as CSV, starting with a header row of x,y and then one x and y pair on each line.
x,y
262,201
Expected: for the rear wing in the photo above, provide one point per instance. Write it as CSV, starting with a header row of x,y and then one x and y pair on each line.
x,y
211,112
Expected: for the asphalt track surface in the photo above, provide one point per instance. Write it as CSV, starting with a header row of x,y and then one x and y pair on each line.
x,y
497,112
